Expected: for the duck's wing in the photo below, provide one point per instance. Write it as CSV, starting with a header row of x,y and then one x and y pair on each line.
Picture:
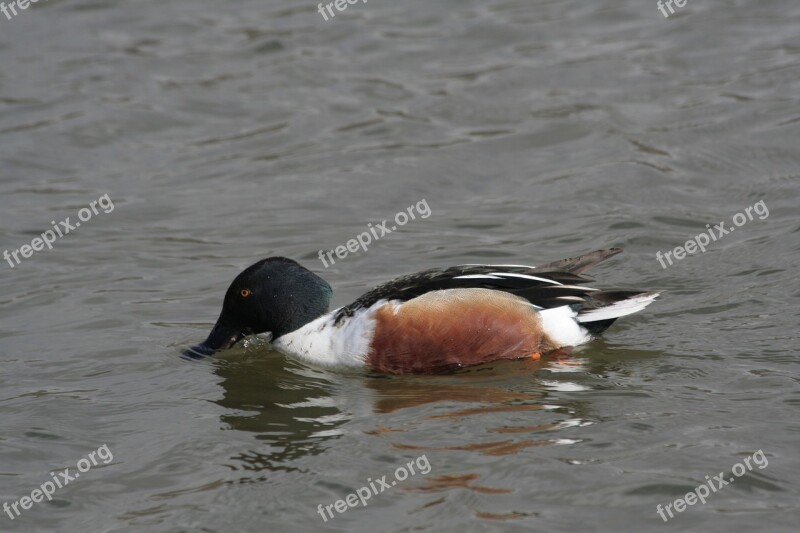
x,y
552,285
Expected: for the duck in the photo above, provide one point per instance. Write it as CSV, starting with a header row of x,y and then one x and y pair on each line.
x,y
433,321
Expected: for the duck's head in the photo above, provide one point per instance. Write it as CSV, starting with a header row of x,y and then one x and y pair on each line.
x,y
274,296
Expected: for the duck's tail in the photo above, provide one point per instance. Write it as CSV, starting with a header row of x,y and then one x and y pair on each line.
x,y
604,307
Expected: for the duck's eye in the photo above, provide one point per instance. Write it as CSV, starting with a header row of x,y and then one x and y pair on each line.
x,y
245,293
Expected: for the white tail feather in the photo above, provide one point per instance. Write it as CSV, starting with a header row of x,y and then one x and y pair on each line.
x,y
561,327
618,309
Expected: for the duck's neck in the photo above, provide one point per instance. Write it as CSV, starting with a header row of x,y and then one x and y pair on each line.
x,y
305,303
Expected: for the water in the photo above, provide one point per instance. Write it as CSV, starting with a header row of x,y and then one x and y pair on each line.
x,y
224,133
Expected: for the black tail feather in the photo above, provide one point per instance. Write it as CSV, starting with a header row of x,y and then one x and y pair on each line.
x,y
597,328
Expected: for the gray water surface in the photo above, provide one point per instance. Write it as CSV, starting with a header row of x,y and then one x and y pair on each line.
x,y
225,132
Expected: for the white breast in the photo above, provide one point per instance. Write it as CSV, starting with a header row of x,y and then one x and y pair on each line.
x,y
323,343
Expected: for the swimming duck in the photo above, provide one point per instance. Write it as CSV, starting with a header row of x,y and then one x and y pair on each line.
x,y
431,321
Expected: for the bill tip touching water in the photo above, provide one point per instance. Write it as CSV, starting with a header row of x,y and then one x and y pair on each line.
x,y
432,321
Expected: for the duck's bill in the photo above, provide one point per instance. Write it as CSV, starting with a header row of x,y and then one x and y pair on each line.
x,y
221,337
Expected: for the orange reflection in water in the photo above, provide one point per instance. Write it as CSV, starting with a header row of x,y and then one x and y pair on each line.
x,y
488,409
456,481
503,447
396,394
472,387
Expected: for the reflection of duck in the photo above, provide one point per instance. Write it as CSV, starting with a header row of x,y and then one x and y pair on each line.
x,y
485,401
487,385
434,320
296,412
289,407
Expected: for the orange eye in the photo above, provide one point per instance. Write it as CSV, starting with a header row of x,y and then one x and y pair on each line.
x,y
245,293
